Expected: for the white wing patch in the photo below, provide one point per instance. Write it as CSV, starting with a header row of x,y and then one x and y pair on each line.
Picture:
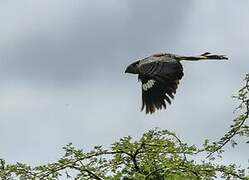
x,y
148,85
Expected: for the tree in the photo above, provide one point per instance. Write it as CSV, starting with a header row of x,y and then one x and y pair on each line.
x,y
157,155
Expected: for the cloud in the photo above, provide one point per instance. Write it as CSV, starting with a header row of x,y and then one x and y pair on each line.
x,y
67,42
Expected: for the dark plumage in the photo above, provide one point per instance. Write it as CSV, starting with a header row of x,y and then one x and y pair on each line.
x,y
160,75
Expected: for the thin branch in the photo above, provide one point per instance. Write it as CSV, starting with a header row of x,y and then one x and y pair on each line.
x,y
70,164
91,174
235,130
228,139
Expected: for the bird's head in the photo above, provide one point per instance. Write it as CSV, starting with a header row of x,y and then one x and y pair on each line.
x,y
132,68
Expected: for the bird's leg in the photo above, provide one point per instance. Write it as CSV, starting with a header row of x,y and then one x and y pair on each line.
x,y
203,56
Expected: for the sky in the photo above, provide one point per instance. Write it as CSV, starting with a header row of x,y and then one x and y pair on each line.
x,y
62,72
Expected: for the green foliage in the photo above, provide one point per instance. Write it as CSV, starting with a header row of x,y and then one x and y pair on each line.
x,y
157,155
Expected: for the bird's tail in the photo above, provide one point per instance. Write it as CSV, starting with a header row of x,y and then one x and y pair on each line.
x,y
204,56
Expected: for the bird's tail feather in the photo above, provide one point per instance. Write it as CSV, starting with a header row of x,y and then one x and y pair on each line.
x,y
204,56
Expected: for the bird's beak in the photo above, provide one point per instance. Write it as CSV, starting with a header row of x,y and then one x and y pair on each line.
x,y
128,68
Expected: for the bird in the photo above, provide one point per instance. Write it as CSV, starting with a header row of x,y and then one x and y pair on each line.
x,y
160,75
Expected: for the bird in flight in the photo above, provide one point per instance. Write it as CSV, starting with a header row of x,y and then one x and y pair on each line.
x,y
160,75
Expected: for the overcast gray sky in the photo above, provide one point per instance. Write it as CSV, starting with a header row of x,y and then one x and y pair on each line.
x,y
62,68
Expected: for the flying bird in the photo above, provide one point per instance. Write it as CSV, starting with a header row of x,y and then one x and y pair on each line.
x,y
160,75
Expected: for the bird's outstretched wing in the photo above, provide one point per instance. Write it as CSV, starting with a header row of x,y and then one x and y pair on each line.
x,y
160,78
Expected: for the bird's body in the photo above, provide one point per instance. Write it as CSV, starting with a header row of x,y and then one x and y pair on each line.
x,y
160,75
